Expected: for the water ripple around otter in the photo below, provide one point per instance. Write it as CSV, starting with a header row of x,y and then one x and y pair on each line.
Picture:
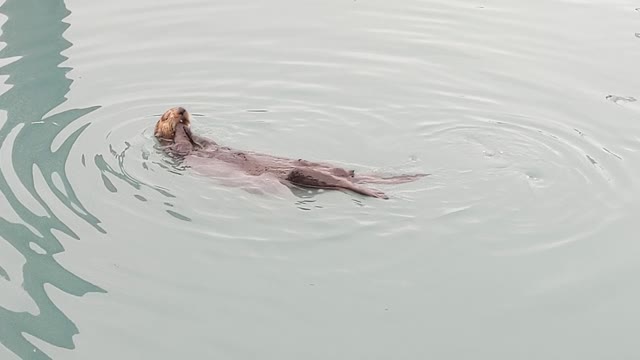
x,y
450,113
525,115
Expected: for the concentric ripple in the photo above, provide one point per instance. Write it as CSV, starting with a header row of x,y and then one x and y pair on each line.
x,y
566,184
528,128
321,100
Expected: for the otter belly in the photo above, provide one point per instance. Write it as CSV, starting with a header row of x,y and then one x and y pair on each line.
x,y
232,175
237,160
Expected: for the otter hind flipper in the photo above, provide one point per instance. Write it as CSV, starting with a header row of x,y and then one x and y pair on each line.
x,y
307,177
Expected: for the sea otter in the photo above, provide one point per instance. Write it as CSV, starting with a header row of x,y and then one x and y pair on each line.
x,y
173,130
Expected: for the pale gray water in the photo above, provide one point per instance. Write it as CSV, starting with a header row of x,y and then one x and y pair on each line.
x,y
522,243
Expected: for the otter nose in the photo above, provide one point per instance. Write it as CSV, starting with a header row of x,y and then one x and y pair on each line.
x,y
181,111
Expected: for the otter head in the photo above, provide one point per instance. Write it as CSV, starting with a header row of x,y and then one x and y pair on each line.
x,y
166,125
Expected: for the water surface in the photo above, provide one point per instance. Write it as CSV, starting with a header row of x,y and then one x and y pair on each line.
x,y
521,244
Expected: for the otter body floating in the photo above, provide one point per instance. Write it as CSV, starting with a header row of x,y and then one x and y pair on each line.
x,y
173,129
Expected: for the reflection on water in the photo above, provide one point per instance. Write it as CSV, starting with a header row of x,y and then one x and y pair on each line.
x,y
31,153
121,172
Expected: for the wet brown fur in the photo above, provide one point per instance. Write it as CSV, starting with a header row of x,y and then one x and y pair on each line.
x,y
166,126
174,129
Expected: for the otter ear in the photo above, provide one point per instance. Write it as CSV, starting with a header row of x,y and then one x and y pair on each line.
x,y
164,116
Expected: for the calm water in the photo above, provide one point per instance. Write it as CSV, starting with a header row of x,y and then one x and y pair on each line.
x,y
522,244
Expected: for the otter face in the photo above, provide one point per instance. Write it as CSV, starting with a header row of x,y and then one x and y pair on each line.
x,y
166,125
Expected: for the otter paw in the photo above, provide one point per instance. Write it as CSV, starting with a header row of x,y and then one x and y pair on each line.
x,y
380,195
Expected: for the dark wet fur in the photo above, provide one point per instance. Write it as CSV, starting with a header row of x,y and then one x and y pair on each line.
x,y
290,171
